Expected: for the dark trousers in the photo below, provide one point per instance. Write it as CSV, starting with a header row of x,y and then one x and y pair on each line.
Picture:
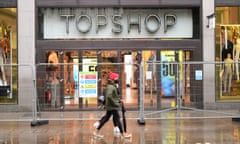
x,y
116,119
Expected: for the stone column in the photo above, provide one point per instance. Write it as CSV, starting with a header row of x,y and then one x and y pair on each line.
x,y
26,52
208,8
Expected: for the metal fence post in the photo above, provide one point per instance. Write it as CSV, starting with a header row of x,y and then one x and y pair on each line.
x,y
34,102
141,120
35,122
178,96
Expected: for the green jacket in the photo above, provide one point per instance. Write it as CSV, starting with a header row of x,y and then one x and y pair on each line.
x,y
112,100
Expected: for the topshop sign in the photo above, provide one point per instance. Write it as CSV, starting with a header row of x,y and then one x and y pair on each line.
x,y
88,23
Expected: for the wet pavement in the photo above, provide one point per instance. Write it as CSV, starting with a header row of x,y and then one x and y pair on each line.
x,y
155,131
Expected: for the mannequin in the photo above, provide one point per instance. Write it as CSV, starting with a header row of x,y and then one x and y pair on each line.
x,y
228,71
152,69
53,77
2,61
4,49
53,67
236,55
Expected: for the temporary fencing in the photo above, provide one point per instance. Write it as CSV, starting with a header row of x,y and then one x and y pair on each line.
x,y
168,90
17,92
170,87
199,90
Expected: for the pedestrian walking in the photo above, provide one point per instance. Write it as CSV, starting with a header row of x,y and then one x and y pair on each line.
x,y
112,105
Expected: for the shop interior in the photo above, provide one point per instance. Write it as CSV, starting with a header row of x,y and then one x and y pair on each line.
x,y
70,64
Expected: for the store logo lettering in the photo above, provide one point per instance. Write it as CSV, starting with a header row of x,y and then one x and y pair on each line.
x,y
84,22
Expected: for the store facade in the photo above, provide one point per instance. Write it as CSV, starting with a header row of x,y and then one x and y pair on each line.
x,y
115,32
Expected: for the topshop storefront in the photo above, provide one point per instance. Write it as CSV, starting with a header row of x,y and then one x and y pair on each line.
x,y
116,32
108,31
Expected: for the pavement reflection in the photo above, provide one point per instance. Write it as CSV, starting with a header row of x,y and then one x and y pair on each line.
x,y
194,131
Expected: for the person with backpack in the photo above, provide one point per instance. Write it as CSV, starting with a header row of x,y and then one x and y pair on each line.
x,y
112,105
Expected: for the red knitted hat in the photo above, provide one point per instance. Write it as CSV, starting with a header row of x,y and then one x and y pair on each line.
x,y
113,76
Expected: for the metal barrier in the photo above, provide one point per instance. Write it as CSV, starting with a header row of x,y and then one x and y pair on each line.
x,y
142,90
17,92
184,82
172,87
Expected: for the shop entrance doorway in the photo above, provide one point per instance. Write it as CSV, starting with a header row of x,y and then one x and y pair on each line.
x,y
174,78
161,80
61,79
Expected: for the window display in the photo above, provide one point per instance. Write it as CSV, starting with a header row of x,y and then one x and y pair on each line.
x,y
8,55
228,52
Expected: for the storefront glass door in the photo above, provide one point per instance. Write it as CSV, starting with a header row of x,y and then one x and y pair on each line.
x,y
174,77
130,77
64,70
163,75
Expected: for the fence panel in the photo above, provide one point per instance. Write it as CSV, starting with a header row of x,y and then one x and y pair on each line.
x,y
17,92
182,86
173,86
173,90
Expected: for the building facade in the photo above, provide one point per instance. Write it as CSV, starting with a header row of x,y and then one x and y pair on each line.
x,y
115,31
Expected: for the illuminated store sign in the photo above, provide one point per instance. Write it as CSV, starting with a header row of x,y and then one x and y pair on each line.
x,y
117,23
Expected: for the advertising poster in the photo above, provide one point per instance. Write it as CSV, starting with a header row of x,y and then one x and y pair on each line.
x,y
167,74
88,84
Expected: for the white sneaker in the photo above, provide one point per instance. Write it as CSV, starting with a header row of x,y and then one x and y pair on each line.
x,y
116,131
127,136
96,124
97,135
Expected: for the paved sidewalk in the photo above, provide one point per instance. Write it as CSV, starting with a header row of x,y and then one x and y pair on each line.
x,y
155,131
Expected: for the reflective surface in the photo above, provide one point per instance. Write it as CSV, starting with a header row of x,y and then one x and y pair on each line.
x,y
168,131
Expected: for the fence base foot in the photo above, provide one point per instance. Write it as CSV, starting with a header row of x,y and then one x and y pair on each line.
x,y
39,122
141,122
236,119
